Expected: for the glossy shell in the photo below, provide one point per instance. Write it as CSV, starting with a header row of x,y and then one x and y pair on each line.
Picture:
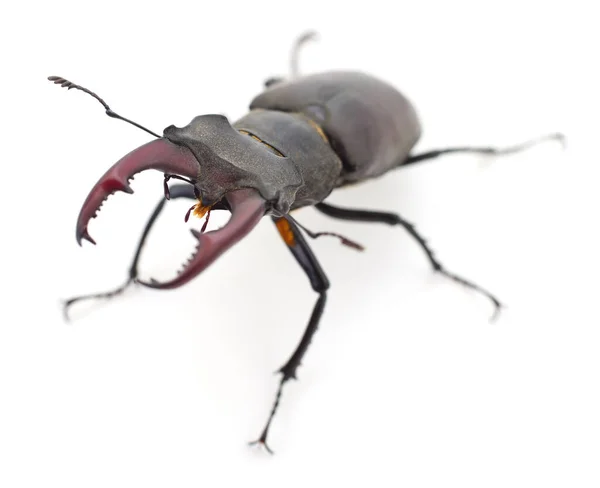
x,y
370,125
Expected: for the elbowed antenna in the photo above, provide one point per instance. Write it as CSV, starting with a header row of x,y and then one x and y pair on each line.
x,y
68,84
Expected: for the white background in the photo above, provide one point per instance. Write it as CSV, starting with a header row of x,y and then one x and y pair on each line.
x,y
406,384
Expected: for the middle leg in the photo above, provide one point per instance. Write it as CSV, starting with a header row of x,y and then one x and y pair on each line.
x,y
395,219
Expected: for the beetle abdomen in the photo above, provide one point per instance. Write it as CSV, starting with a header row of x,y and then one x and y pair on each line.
x,y
370,125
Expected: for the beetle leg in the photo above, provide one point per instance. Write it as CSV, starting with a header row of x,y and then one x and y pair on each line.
x,y
495,151
394,219
300,41
176,191
274,80
247,208
315,235
297,47
298,246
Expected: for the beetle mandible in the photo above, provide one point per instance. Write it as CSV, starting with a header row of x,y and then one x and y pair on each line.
x,y
302,138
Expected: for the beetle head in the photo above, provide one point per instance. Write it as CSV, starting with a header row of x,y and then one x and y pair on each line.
x,y
226,168
229,160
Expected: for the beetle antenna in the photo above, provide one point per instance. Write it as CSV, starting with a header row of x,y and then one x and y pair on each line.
x,y
300,42
68,84
313,235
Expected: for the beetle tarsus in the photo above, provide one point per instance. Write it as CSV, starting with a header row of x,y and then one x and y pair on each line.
x,y
469,284
297,47
299,43
395,219
286,376
439,268
555,136
94,296
493,151
288,371
319,282
262,441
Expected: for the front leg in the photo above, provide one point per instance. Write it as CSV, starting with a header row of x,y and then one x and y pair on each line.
x,y
176,191
291,235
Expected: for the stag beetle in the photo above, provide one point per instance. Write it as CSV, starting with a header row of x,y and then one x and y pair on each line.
x,y
303,137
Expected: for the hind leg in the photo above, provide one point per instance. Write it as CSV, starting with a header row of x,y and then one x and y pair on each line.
x,y
296,48
394,219
495,151
176,191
